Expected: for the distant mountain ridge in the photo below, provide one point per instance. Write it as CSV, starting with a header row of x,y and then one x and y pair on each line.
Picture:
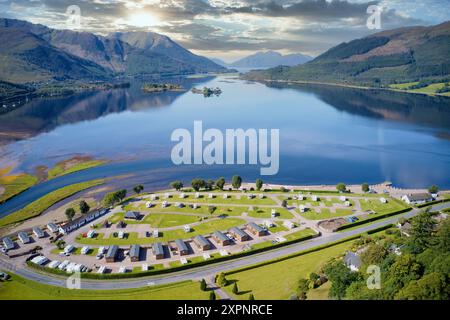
x,y
405,54
271,59
90,56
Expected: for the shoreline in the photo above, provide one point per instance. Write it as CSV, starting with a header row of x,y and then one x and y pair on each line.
x,y
333,84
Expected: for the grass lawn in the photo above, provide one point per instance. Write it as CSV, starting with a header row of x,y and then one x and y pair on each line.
x,y
266,213
300,234
14,184
201,229
325,214
320,293
63,168
202,209
381,208
232,199
278,280
158,220
19,288
39,206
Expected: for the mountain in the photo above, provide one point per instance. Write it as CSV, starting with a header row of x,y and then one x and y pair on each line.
x,y
129,54
400,55
270,59
220,62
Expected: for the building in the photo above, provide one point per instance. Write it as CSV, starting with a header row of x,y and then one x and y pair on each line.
x,y
165,204
417,198
38,232
352,261
256,229
135,251
269,223
239,234
24,238
112,253
52,227
182,247
187,228
149,205
158,251
83,220
131,215
383,200
91,234
314,198
343,198
221,238
202,243
302,208
8,244
274,213
289,224
405,228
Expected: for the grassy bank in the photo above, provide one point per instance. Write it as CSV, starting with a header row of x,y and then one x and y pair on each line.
x,y
14,184
39,206
24,289
71,166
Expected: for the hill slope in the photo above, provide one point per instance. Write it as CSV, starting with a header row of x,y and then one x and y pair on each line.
x,y
270,59
131,54
400,55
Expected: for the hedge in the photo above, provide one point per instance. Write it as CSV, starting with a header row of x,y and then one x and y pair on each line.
x,y
432,203
173,269
377,217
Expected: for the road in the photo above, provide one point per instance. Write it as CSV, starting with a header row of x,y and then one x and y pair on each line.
x,y
199,272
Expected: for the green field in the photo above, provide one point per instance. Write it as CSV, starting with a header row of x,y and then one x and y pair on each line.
x,y
201,209
39,206
18,288
232,199
60,169
14,184
158,220
325,214
381,208
266,213
278,280
201,229
300,234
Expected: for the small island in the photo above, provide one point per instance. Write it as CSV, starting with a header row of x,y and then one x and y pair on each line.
x,y
161,87
208,92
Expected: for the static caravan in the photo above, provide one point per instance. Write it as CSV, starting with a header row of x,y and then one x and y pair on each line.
x,y
182,247
8,243
38,232
52,227
24,238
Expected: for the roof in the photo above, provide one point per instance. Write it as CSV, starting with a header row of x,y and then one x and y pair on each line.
x,y
181,245
38,230
201,240
255,227
221,236
135,250
419,196
8,242
238,232
158,248
131,215
23,235
112,252
352,259
52,226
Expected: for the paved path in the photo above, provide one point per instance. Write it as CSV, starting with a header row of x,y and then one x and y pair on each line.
x,y
200,272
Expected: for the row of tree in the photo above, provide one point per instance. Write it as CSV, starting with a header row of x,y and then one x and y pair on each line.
x,y
199,184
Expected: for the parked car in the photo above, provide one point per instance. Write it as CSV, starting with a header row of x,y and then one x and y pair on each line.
x,y
4,276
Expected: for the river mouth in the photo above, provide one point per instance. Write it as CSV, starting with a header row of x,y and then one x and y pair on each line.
x,y
327,134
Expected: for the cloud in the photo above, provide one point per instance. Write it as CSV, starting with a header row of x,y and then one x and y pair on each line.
x,y
220,27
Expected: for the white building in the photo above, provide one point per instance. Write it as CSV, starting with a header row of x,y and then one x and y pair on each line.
x,y
52,227
85,250
165,204
289,224
149,205
187,228
269,223
417,198
314,198
302,208
383,200
343,198
182,196
225,196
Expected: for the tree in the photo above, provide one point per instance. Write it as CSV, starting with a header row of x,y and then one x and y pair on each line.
x,y
211,209
121,194
110,199
251,297
432,286
220,183
259,184
303,288
374,254
138,189
221,280
421,231
177,185
365,187
210,184
212,295
236,182
235,289
341,187
70,213
341,278
284,203
203,285
198,184
433,189
84,207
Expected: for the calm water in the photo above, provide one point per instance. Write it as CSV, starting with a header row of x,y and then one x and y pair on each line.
x,y
327,135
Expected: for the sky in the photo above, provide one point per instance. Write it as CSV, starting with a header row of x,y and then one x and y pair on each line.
x,y
231,29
